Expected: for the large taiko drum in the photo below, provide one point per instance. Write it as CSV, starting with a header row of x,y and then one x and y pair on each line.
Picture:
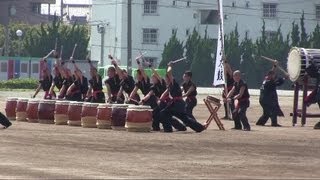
x,y
61,112
74,113
118,116
299,59
11,106
139,119
46,111
32,110
21,110
88,115
104,112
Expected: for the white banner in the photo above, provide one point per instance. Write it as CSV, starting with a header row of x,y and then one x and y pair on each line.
x,y
219,78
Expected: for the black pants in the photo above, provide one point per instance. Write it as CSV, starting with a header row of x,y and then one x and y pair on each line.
x,y
268,112
240,116
177,109
190,104
4,120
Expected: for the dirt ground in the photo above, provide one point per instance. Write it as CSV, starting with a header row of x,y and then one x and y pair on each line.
x,y
37,151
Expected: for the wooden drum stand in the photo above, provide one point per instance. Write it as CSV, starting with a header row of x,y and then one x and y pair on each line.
x,y
213,104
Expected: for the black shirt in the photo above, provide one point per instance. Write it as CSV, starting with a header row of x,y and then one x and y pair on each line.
x,y
95,84
174,89
68,81
114,84
127,84
268,90
46,83
58,81
238,87
83,88
186,86
159,88
144,86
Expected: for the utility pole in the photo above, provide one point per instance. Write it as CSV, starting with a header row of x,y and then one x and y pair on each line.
x,y
129,40
61,10
102,47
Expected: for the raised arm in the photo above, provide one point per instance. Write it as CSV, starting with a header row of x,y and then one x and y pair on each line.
x,y
115,64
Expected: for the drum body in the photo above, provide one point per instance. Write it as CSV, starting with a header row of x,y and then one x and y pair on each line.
x,y
299,59
118,116
46,111
61,112
32,110
88,115
10,109
139,119
103,117
21,110
74,113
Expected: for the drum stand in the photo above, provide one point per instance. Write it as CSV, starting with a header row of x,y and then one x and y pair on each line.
x,y
213,108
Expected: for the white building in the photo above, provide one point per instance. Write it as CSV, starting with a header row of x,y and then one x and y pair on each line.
x,y
154,21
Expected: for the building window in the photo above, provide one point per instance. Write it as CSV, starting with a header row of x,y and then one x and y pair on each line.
x,y
151,60
4,67
150,7
35,68
271,34
318,12
269,10
188,3
209,16
174,3
36,8
24,68
150,36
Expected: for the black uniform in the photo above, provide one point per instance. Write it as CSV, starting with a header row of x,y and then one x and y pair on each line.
x,y
239,114
128,85
67,83
79,91
46,84
4,121
191,100
58,81
114,84
230,83
96,85
269,101
177,108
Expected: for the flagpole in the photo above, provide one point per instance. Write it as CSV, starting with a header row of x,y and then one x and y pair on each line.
x,y
220,7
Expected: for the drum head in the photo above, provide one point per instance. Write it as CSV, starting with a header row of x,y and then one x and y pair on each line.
x,y
294,64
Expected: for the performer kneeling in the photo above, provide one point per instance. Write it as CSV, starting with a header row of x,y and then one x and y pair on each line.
x,y
95,93
190,91
240,90
269,99
45,84
78,89
176,107
113,85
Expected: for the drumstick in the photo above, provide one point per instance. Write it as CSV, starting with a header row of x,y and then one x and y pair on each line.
x,y
141,55
74,50
274,61
49,54
61,50
56,44
178,60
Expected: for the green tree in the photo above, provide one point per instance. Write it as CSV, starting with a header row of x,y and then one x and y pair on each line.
x,y
304,42
191,46
295,35
315,38
232,48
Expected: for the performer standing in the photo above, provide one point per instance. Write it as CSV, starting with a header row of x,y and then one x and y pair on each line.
x,y
113,85
241,94
269,98
45,84
176,107
229,86
190,92
95,93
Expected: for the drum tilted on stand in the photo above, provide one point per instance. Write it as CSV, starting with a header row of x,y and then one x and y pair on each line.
x,y
118,116
21,110
11,106
139,119
299,59
46,111
74,113
104,112
61,112
88,115
32,110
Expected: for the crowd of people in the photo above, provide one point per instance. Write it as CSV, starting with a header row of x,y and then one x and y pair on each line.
x,y
171,102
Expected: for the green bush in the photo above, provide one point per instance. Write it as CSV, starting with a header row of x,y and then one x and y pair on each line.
x,y
23,83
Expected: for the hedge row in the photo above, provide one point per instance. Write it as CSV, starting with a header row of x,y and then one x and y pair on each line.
x,y
23,83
